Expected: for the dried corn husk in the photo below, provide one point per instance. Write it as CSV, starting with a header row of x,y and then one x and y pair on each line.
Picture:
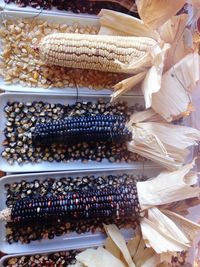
x,y
98,258
126,85
168,187
112,247
163,143
155,13
173,99
116,23
113,232
157,226
190,229
173,32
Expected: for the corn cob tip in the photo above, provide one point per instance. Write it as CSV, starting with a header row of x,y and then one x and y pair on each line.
x,y
5,215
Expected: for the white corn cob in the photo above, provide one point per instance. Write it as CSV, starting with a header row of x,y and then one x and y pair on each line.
x,y
96,52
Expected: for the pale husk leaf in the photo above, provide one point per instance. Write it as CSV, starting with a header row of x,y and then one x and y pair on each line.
x,y
98,258
133,244
155,13
188,227
182,136
167,225
114,233
152,234
143,254
173,98
163,143
145,116
126,85
182,207
152,81
152,63
173,32
168,187
116,23
112,247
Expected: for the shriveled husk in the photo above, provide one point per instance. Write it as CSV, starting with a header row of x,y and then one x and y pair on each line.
x,y
113,232
168,187
98,258
116,23
173,99
173,32
172,236
155,13
135,250
164,143
174,232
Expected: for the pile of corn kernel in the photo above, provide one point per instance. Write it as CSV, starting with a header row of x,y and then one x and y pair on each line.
x,y
20,61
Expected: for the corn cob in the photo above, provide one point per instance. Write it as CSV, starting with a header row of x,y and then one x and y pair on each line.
x,y
109,128
105,203
96,52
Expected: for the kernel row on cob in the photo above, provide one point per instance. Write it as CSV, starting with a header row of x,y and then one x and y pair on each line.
x,y
106,128
125,201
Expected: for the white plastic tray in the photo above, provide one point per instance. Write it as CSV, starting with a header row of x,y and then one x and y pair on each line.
x,y
4,258
58,18
68,241
48,166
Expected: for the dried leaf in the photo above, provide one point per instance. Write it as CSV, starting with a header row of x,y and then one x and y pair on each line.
x,y
98,258
114,233
164,143
116,23
167,225
155,13
151,234
152,81
173,99
173,32
144,254
168,187
188,227
126,85
112,247
145,116
133,244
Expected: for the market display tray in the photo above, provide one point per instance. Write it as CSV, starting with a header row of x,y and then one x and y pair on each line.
x,y
57,18
67,241
55,166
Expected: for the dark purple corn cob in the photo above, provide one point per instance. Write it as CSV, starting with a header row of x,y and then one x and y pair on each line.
x,y
108,128
109,202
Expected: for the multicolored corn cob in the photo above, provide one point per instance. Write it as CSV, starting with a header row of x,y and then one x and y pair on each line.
x,y
97,52
109,128
108,202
